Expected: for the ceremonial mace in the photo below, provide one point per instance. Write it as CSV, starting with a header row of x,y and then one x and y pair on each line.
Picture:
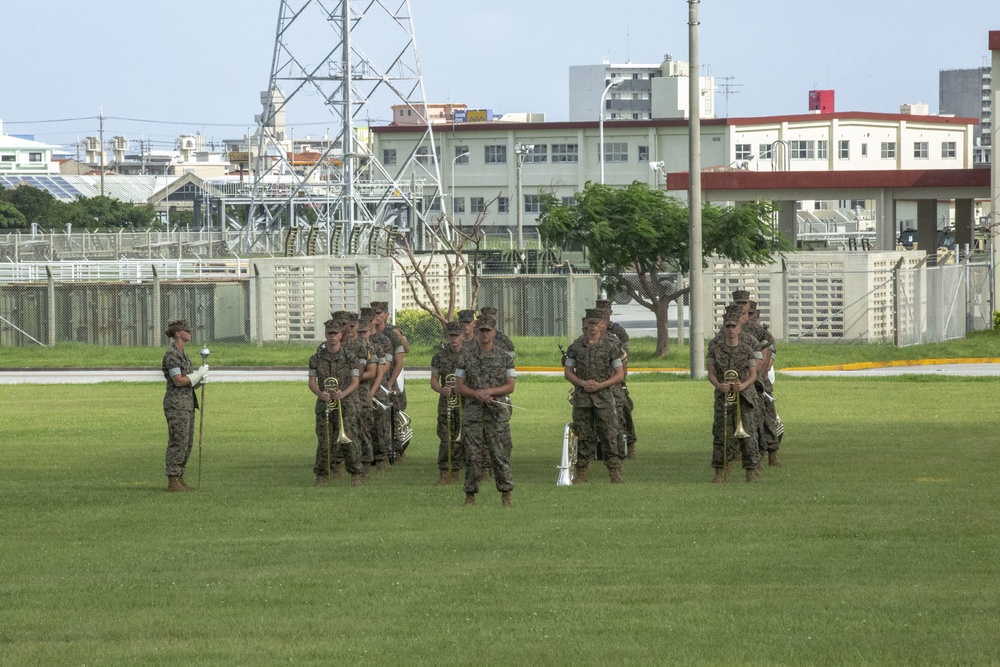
x,y
201,417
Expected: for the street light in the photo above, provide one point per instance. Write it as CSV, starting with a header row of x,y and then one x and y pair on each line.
x,y
521,151
659,167
600,149
453,161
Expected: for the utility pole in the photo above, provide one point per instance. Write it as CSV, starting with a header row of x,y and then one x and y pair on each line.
x,y
102,149
727,88
694,197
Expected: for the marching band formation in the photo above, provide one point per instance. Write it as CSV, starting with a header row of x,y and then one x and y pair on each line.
x,y
357,378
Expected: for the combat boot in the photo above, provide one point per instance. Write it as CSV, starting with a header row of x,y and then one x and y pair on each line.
x,y
631,452
470,499
581,475
187,487
454,475
443,478
335,471
322,480
759,466
616,476
752,475
382,466
772,459
174,485
505,499
357,479
719,477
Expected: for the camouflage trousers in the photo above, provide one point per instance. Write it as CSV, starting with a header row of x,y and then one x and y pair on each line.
x,y
627,424
398,402
180,437
484,432
348,452
768,428
364,422
593,424
381,428
724,444
457,448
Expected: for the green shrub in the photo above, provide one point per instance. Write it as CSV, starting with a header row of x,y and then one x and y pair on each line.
x,y
419,326
996,320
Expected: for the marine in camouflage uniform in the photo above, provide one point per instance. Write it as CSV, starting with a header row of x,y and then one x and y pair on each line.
x,y
368,366
443,365
623,401
397,389
504,342
741,298
485,376
179,403
382,424
593,366
769,440
333,360
733,353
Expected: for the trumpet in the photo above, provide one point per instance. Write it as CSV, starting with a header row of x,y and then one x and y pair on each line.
x,y
331,385
569,449
734,397
454,401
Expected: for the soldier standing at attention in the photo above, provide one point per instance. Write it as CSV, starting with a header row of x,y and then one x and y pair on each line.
x,y
593,366
179,403
485,374
442,365
622,398
733,353
394,383
502,340
769,440
381,418
368,366
467,318
333,361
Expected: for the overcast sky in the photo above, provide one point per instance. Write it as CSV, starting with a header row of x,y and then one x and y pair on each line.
x,y
199,65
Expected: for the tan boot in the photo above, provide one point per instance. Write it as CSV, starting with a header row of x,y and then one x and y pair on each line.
x,y
505,499
616,476
454,475
759,466
335,471
752,475
631,452
470,499
187,487
174,485
719,477
772,459
357,479
322,480
382,466
443,478
581,475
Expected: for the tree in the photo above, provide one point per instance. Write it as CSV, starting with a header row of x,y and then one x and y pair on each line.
x,y
636,238
10,217
458,246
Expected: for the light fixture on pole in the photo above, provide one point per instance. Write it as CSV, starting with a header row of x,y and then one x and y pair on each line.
x,y
453,161
659,167
521,151
600,148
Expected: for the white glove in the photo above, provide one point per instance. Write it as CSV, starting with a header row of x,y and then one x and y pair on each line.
x,y
198,375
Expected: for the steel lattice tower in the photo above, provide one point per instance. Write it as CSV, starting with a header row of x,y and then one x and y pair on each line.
x,y
349,66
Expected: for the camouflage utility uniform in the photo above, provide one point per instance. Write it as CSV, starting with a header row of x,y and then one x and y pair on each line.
x,y
594,414
485,426
179,404
382,419
343,366
445,362
741,358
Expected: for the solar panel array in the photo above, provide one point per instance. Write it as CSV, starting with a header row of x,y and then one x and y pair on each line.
x,y
57,186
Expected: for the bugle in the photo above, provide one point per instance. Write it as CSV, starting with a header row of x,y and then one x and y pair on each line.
x,y
454,401
331,385
569,449
733,396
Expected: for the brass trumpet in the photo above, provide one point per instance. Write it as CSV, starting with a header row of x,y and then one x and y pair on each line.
x,y
734,397
454,401
331,385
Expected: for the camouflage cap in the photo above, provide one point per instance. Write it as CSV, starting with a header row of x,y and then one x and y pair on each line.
x,y
364,325
176,326
731,317
368,314
466,316
453,328
741,296
341,316
753,307
380,306
486,322
604,303
488,310
333,326
593,316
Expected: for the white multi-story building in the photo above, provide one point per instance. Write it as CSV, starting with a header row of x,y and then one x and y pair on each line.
x,y
643,92
22,157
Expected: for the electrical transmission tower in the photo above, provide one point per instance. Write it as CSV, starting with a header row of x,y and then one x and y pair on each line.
x,y
344,62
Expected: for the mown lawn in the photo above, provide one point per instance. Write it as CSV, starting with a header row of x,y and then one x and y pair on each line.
x,y
875,544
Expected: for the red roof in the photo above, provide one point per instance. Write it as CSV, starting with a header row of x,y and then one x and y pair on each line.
x,y
739,179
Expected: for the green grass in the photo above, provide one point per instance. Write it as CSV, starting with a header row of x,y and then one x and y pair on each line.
x,y
875,544
541,351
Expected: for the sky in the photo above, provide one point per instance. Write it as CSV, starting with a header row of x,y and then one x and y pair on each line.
x,y
190,66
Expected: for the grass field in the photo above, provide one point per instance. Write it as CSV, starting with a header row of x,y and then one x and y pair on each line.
x,y
540,351
875,544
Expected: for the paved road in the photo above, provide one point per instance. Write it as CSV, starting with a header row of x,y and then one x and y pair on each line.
x,y
78,376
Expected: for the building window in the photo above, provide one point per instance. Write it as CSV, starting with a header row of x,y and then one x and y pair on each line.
x,y
461,155
424,152
503,204
765,151
844,149
8,158
565,153
802,150
864,150
888,150
532,203
496,155
921,150
569,201
432,203
643,153
458,205
948,150
477,204
389,157
34,157
822,149
538,153
743,152
616,152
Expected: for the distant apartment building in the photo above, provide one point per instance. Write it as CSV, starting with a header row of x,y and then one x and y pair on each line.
x,y
966,93
23,157
644,92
